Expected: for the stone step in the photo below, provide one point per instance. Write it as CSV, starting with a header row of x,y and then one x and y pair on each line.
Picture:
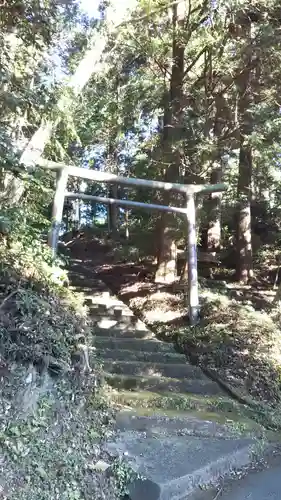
x,y
108,327
177,467
212,421
80,284
76,273
126,322
122,322
113,312
113,306
86,290
134,344
156,370
97,304
197,424
152,357
172,403
162,384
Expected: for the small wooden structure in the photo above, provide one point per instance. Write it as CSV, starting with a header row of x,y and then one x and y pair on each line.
x,y
189,212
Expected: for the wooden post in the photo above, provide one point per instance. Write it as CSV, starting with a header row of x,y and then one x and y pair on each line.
x,y
61,185
193,300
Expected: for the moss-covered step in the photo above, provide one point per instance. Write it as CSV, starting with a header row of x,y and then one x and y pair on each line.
x,y
159,384
132,344
175,402
183,371
139,356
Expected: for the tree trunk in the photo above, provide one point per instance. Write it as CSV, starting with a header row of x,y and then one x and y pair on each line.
x,y
112,167
113,212
244,267
213,204
172,135
214,222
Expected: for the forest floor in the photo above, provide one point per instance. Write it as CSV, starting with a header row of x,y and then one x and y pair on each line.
x,y
237,341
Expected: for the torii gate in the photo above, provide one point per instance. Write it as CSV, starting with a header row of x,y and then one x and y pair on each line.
x,y
189,211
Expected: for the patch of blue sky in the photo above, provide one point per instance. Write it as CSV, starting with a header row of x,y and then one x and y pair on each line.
x,y
90,7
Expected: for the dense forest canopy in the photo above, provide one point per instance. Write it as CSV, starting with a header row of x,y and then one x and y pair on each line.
x,y
182,91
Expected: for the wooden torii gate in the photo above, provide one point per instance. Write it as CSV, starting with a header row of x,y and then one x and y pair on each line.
x,y
63,172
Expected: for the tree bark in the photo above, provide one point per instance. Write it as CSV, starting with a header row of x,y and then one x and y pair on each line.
x,y
214,222
244,267
113,211
213,204
57,211
172,135
112,167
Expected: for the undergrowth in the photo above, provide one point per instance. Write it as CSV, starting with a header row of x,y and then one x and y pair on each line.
x,y
238,345
51,427
39,317
50,452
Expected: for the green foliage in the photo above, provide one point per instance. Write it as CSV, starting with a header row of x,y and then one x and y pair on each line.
x,y
237,342
39,316
52,451
124,476
124,108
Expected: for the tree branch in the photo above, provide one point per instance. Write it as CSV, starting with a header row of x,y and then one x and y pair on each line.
x,y
155,11
192,64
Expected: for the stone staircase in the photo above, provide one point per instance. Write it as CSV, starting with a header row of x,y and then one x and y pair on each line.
x,y
134,361
175,426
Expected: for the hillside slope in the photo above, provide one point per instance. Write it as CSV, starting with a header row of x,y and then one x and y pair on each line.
x,y
54,415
